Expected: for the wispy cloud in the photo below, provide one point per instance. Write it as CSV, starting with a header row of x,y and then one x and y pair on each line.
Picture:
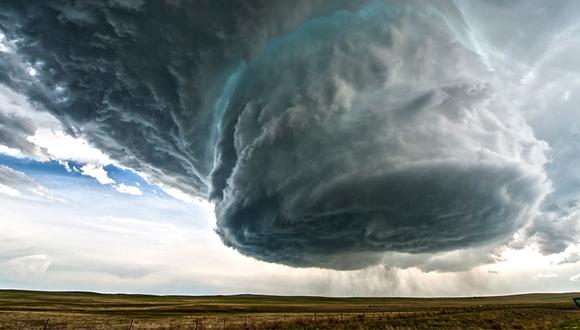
x,y
17,184
541,276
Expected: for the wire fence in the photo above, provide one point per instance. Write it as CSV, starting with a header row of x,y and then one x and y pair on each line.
x,y
200,322
344,320
214,321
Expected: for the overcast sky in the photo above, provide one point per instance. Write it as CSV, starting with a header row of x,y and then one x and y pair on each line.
x,y
350,147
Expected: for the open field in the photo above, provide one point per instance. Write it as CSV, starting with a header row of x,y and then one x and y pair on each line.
x,y
78,310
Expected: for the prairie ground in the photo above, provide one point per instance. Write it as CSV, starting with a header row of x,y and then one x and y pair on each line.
x,y
78,310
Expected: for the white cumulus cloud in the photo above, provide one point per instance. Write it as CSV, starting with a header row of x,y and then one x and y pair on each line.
x,y
131,190
98,172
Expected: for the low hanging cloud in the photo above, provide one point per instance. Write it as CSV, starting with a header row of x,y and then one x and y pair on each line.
x,y
360,163
327,133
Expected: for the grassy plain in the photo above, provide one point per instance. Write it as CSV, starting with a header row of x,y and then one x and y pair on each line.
x,y
81,310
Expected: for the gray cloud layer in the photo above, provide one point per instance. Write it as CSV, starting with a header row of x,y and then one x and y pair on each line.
x,y
326,132
14,130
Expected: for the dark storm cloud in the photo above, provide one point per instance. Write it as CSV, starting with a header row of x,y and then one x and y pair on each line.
x,y
140,77
341,156
324,136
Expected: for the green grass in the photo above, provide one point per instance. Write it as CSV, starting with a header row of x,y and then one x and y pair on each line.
x,y
573,324
71,310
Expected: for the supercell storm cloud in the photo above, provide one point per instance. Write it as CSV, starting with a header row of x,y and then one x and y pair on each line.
x,y
326,133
